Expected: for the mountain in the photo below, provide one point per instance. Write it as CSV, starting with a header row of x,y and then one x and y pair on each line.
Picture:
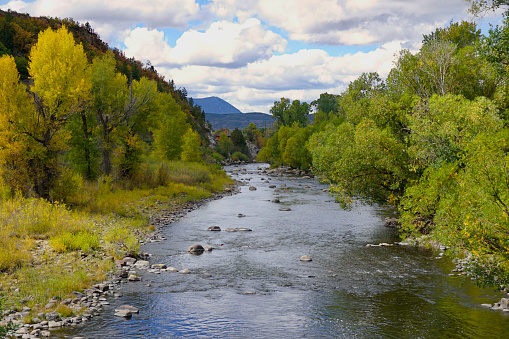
x,y
216,105
238,120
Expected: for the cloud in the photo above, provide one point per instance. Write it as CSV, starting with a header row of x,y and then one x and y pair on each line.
x,y
223,44
303,75
109,17
347,22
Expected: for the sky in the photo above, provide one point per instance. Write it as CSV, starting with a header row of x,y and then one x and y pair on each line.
x,y
251,53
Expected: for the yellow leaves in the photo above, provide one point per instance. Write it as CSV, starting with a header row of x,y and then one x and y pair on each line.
x,y
59,69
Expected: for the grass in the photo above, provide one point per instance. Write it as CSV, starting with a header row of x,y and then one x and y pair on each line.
x,y
41,243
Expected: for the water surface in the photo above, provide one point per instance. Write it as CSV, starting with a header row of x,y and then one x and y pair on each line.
x,y
253,285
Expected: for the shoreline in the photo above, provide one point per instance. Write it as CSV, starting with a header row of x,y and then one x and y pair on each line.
x,y
89,302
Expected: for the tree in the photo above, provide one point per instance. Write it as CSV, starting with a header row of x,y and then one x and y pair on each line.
x,y
225,145
191,148
168,136
60,71
109,98
239,142
15,106
286,112
480,7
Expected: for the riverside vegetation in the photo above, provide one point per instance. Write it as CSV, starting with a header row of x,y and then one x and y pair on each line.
x,y
92,147
432,139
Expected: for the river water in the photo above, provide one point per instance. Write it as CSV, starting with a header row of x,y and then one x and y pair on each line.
x,y
253,285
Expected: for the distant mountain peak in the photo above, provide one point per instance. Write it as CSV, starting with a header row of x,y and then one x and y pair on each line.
x,y
216,105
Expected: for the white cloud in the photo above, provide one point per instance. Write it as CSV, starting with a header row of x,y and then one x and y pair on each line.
x,y
109,17
224,44
303,75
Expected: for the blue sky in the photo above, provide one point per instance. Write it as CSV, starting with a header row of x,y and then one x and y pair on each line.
x,y
253,52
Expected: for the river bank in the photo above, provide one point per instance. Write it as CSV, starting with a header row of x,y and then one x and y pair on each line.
x,y
25,313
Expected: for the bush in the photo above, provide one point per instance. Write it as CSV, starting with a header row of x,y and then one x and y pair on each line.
x,y
239,156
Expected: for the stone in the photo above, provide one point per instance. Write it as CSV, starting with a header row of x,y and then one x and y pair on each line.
x,y
504,302
171,269
486,305
305,258
195,249
285,209
276,201
252,188
133,277
52,316
240,215
242,229
142,264
159,266
208,248
214,228
272,186
54,324
123,313
129,261
229,229
185,271
130,308
22,330
45,334
391,222
50,305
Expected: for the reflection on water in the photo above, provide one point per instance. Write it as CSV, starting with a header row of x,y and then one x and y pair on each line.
x,y
256,287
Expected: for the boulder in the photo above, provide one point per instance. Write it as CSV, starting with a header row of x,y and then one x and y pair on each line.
x,y
208,248
240,215
195,249
142,264
54,324
159,266
171,269
285,209
133,277
305,258
252,188
214,228
52,316
129,308
242,229
229,229
391,222
185,271
276,201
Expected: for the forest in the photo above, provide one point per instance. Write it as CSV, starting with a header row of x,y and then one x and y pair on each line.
x,y
431,139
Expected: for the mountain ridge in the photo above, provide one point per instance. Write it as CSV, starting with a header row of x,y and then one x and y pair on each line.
x,y
216,105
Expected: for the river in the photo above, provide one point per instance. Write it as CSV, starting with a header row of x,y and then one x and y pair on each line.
x,y
253,285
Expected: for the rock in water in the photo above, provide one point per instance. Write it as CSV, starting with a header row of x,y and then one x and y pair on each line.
x,y
214,228
305,258
195,249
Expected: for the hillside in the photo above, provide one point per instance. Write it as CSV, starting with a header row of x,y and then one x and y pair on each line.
x,y
238,120
19,32
216,105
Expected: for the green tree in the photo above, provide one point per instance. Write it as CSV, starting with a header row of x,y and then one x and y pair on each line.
x,y
286,112
109,103
169,135
225,145
239,142
191,148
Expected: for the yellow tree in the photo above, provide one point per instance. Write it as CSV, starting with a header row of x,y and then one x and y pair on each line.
x,y
14,105
61,85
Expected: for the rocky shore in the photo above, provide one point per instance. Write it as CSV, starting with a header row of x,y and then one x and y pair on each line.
x,y
81,306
